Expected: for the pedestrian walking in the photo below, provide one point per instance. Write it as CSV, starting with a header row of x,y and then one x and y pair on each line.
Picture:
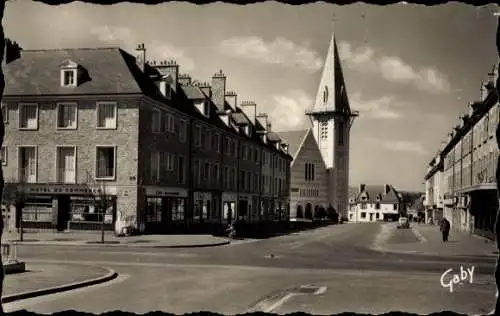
x,y
445,229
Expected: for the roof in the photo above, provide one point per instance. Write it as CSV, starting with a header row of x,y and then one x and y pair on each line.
x,y
239,118
192,92
379,190
273,137
37,72
293,139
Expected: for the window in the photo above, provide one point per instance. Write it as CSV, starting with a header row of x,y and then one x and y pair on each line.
x,y
170,161
377,206
377,215
324,129
395,207
325,95
226,145
105,162
363,206
3,155
107,115
178,210
181,171
309,172
217,143
182,130
67,115
363,214
196,172
156,121
66,164
208,140
197,136
5,112
155,166
68,78
28,116
215,174
206,171
27,164
340,131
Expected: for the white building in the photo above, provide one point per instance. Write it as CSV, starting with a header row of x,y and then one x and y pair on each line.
x,y
375,203
434,191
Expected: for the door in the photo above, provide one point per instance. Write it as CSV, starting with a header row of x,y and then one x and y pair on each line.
x,y
66,165
371,217
27,162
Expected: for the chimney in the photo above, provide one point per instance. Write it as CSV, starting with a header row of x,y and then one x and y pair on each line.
x,y
169,68
232,99
140,56
250,110
387,188
362,187
219,90
205,87
184,79
12,51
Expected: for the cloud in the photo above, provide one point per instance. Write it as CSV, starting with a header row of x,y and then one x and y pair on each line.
x,y
380,108
394,69
280,51
156,50
399,145
289,110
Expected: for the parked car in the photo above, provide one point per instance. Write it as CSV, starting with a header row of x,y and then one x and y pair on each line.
x,y
404,222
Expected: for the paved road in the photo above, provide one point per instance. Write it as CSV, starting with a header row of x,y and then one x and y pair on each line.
x,y
267,275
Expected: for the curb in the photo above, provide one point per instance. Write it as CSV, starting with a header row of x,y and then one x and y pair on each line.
x,y
131,245
432,254
62,288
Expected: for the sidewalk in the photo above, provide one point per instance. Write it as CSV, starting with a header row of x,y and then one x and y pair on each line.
x,y
427,240
94,238
43,279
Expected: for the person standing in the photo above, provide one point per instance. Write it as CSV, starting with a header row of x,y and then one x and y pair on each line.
x,y
445,229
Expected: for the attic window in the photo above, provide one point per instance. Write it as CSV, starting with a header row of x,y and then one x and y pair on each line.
x,y
68,77
69,74
247,130
325,95
206,109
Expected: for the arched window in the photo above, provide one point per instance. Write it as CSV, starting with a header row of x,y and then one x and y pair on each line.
x,y
325,95
309,211
300,212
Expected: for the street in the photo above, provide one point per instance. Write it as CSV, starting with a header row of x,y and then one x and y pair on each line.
x,y
270,275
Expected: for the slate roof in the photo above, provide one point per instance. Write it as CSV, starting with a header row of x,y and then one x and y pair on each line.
x,y
294,139
37,72
192,92
239,118
273,137
378,190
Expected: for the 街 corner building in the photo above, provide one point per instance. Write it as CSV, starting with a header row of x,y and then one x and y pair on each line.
x,y
98,135
460,181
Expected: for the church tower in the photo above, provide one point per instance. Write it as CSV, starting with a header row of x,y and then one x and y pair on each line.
x,y
332,118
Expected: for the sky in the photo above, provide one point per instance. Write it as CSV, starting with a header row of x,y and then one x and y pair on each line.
x,y
410,70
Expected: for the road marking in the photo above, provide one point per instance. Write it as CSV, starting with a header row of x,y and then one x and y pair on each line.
x,y
419,235
279,303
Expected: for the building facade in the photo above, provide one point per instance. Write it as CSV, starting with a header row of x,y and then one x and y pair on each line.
x,y
434,190
470,155
99,135
375,203
309,177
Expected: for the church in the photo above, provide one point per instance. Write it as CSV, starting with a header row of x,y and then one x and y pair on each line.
x,y
319,172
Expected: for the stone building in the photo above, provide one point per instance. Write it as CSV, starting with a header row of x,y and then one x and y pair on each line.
x,y
99,135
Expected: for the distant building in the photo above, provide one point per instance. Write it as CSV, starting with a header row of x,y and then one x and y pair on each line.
x,y
375,203
308,176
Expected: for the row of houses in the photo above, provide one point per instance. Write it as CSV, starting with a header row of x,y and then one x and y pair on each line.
x,y
98,135
168,151
460,180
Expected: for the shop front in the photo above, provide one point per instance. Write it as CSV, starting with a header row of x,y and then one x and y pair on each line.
x,y
228,207
62,207
483,208
165,210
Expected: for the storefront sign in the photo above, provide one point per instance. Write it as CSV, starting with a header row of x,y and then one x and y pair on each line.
x,y
66,189
158,191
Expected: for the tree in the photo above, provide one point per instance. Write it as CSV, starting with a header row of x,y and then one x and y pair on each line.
x,y
14,195
102,200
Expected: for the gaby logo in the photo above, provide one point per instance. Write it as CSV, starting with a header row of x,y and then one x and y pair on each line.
x,y
449,279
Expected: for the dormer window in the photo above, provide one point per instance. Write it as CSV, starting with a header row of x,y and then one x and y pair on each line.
x,y
69,73
164,85
247,130
206,108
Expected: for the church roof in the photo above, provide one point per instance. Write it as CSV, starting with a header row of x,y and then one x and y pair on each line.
x,y
294,139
